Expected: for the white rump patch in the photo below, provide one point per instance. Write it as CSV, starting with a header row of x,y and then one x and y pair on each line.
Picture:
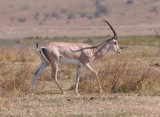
x,y
66,60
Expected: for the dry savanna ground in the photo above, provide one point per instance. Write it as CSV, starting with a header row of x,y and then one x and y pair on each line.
x,y
130,81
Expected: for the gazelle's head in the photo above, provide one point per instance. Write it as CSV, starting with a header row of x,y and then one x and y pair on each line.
x,y
113,44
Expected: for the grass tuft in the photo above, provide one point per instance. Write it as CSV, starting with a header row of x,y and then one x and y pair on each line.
x,y
15,80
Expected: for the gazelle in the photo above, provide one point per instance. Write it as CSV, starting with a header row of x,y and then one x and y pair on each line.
x,y
73,53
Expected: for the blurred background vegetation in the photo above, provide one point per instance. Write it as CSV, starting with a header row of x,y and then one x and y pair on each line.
x,y
68,18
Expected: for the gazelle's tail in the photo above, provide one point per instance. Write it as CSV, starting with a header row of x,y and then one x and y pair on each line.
x,y
42,50
37,47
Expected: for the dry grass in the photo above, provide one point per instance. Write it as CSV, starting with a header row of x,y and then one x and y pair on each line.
x,y
134,71
15,71
17,55
15,80
128,72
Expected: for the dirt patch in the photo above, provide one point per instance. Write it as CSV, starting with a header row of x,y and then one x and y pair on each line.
x,y
87,105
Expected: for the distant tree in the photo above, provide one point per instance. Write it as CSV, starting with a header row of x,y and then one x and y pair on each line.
x,y
101,10
36,16
70,15
40,23
55,14
129,1
90,17
83,14
63,11
155,9
46,16
97,2
22,19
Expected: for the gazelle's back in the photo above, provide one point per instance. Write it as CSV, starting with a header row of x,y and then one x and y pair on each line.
x,y
66,45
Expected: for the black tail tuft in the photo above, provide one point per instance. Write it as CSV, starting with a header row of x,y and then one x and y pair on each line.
x,y
36,45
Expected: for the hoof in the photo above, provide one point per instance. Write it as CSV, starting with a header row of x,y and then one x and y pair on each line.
x,y
77,94
101,91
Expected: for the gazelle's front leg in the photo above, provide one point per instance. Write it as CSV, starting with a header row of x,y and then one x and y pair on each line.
x,y
92,70
78,70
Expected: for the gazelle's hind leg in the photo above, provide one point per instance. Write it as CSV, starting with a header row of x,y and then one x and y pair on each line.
x,y
53,60
92,70
54,75
37,73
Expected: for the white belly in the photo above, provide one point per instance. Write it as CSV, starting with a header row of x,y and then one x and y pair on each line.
x,y
66,60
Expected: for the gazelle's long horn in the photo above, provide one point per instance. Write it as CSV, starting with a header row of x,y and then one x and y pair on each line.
x,y
114,32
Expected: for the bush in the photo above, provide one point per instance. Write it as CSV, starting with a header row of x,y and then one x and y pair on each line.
x,y
129,2
71,15
21,19
83,14
154,9
101,10
55,14
36,16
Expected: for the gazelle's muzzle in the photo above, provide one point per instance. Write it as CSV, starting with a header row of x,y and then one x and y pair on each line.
x,y
119,50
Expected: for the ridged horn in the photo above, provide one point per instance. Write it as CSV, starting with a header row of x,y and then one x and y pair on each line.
x,y
114,32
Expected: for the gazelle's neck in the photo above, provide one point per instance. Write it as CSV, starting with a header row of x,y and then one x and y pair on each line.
x,y
101,50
